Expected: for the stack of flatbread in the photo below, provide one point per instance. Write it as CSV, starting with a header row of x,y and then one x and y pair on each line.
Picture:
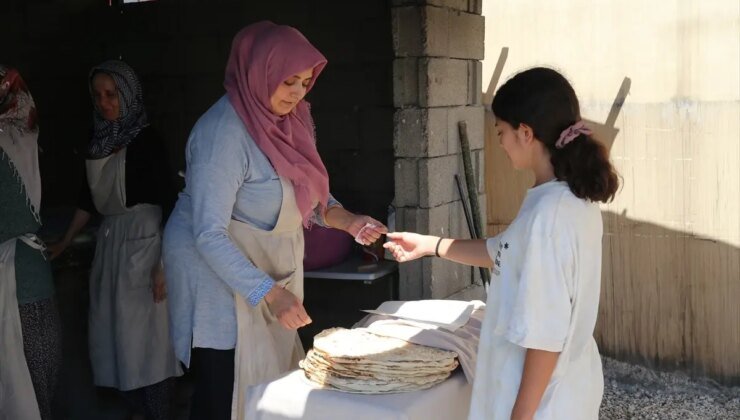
x,y
359,361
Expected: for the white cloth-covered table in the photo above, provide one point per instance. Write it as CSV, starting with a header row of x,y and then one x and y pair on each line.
x,y
293,397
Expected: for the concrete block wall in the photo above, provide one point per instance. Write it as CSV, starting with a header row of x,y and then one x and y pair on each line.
x,y
438,45
180,50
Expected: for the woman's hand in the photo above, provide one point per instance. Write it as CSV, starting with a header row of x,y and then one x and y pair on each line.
x,y
57,249
159,287
407,246
287,308
79,220
364,229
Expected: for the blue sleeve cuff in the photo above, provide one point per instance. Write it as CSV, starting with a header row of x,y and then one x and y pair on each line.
x,y
317,217
332,202
260,291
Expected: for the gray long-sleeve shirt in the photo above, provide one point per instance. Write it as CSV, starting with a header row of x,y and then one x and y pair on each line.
x,y
228,177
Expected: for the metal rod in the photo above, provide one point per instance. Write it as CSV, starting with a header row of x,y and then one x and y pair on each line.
x,y
470,178
485,275
466,209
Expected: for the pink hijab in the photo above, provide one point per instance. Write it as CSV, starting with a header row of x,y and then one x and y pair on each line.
x,y
263,55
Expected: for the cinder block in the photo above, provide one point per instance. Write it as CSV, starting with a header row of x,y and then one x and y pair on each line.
x,y
435,82
482,204
405,82
447,277
436,130
410,281
475,6
436,29
466,35
420,132
408,33
433,221
426,284
472,292
407,182
409,136
479,167
405,221
475,83
437,32
439,220
443,82
437,183
458,223
451,4
474,118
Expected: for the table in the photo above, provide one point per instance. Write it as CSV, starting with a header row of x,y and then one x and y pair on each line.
x,y
354,268
293,397
335,296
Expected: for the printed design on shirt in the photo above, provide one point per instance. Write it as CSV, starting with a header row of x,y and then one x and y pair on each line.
x,y
497,261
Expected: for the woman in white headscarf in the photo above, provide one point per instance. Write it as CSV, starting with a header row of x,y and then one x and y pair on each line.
x,y
30,338
129,185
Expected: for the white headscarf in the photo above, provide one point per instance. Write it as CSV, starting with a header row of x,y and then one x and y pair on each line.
x,y
19,134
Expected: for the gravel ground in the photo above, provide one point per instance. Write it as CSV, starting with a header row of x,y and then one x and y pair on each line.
x,y
635,392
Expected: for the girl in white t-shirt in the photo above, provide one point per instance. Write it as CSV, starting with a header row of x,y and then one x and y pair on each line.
x,y
537,357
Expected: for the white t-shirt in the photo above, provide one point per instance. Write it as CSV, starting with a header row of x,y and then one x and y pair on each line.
x,y
544,295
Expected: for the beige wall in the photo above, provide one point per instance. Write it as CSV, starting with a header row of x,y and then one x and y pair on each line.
x,y
671,278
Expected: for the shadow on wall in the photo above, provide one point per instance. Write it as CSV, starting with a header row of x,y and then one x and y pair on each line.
x,y
668,299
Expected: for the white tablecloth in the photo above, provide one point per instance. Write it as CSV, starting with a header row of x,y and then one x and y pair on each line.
x,y
293,397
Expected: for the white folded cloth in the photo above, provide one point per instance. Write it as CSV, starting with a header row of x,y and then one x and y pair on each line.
x,y
417,322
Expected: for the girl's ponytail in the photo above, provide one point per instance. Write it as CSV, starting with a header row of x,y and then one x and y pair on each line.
x,y
584,164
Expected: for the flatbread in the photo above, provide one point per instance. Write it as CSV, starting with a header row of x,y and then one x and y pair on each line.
x,y
360,344
361,362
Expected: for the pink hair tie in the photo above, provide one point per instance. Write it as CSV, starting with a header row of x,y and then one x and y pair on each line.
x,y
571,133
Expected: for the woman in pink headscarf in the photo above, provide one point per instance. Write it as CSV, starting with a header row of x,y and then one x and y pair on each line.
x,y
233,247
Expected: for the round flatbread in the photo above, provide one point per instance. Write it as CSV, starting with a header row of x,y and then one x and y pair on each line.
x,y
359,361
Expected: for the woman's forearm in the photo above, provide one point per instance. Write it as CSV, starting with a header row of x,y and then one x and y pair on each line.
x,y
538,368
338,217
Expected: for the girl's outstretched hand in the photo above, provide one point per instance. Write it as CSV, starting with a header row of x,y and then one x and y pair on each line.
x,y
407,246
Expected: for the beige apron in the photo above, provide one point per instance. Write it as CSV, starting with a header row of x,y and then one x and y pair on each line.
x,y
130,344
264,349
17,397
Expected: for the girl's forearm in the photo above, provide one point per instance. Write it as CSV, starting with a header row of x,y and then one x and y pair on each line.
x,y
464,251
